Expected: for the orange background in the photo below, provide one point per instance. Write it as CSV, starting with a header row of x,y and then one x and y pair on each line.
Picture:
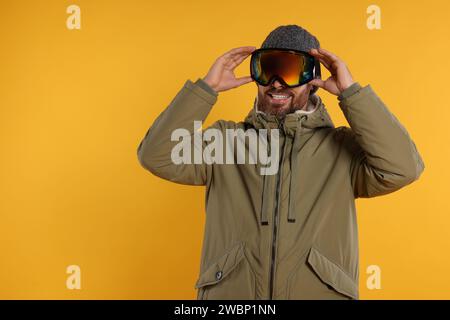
x,y
74,105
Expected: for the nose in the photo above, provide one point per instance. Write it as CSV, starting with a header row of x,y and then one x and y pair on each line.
x,y
277,84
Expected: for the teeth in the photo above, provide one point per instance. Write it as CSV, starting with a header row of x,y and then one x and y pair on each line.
x,y
276,96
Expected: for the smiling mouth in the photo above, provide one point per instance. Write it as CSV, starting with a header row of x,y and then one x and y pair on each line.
x,y
279,98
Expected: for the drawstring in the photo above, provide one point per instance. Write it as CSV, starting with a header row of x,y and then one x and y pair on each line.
x,y
266,185
267,200
268,181
293,178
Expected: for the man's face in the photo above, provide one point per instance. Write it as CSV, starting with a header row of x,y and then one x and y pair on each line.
x,y
279,100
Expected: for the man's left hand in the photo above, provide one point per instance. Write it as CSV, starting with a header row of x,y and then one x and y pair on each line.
x,y
340,78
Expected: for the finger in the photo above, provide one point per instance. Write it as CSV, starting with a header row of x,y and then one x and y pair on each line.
x,y
233,61
245,49
238,51
324,62
324,59
243,80
238,60
329,54
230,56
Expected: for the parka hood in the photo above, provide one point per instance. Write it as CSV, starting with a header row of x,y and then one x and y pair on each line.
x,y
316,117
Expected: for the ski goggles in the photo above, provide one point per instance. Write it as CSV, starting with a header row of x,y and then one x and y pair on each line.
x,y
291,67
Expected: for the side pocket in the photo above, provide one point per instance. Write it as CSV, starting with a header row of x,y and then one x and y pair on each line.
x,y
230,277
332,274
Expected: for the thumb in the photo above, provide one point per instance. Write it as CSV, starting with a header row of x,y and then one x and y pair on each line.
x,y
243,80
318,82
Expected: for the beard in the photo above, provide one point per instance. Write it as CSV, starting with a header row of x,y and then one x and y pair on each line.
x,y
280,111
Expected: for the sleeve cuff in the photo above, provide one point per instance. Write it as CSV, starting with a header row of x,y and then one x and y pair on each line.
x,y
355,87
205,86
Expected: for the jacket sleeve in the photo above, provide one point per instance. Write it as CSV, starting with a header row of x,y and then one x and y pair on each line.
x,y
192,103
384,158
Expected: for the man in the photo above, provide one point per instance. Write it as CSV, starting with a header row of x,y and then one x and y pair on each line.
x,y
293,234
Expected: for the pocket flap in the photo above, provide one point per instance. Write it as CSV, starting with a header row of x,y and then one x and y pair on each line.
x,y
332,274
222,267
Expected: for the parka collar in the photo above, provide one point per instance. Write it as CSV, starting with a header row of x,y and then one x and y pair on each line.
x,y
316,117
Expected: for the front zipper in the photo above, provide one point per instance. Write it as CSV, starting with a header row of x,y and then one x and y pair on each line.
x,y
274,236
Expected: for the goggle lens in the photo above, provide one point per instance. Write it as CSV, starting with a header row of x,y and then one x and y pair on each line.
x,y
293,67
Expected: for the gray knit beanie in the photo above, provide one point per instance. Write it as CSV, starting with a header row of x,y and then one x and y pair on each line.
x,y
291,37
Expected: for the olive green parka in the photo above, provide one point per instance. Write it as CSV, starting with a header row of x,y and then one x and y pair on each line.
x,y
293,234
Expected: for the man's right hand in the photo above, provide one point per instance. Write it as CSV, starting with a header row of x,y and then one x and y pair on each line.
x,y
221,76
